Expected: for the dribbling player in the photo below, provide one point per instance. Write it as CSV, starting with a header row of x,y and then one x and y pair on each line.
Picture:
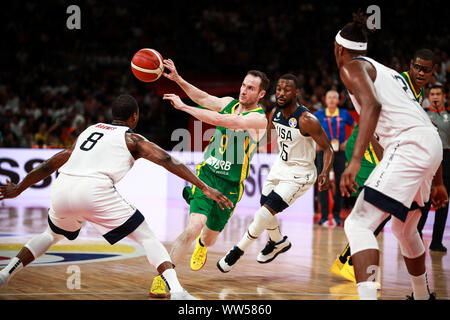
x,y
291,175
84,191
240,125
411,158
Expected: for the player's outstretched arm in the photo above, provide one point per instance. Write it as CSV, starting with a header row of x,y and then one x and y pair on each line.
x,y
355,76
198,96
231,121
142,148
310,125
42,171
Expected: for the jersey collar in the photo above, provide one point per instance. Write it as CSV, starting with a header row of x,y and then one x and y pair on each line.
x,y
234,107
437,111
334,114
416,95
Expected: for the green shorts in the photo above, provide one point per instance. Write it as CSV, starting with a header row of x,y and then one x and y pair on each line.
x,y
361,177
199,203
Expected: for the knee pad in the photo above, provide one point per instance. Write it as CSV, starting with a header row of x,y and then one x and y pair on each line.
x,y
360,237
143,233
155,251
40,243
407,235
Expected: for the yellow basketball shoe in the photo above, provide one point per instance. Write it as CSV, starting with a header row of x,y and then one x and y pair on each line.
x,y
198,258
336,267
348,272
158,289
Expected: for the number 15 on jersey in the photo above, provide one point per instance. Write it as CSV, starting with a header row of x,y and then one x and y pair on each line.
x,y
284,151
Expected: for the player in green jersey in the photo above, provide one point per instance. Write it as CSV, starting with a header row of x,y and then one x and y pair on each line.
x,y
417,77
240,125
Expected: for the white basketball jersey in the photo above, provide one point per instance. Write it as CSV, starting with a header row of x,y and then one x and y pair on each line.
x,y
100,152
295,149
400,111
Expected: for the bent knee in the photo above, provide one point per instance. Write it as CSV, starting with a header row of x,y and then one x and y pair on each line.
x,y
192,232
208,241
360,237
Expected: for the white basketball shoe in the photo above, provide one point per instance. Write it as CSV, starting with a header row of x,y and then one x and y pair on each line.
x,y
273,249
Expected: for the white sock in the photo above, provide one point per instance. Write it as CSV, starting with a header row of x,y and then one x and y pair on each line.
x,y
245,242
420,287
367,290
274,233
13,266
170,278
263,219
37,245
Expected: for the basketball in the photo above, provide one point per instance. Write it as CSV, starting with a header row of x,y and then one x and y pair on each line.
x,y
147,65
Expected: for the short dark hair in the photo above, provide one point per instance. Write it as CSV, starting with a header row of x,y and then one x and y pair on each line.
x,y
438,86
290,76
264,80
123,107
425,54
356,30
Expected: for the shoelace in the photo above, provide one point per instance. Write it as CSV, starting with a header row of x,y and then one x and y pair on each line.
x,y
200,256
232,257
269,247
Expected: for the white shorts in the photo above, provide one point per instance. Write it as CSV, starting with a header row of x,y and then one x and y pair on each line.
x,y
405,173
288,184
78,199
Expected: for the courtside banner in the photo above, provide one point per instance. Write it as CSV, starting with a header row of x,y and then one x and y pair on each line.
x,y
145,180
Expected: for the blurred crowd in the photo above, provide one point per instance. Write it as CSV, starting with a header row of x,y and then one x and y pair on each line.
x,y
56,81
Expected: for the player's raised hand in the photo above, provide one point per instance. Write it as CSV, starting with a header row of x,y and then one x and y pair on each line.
x,y
438,196
174,100
348,183
218,197
173,75
9,191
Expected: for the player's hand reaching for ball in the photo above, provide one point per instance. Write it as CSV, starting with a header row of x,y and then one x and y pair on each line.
x,y
218,197
9,191
174,100
173,75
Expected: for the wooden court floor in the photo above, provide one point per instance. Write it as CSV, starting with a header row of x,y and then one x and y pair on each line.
x,y
302,273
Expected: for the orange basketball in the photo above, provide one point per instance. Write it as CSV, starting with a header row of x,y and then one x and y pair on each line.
x,y
147,65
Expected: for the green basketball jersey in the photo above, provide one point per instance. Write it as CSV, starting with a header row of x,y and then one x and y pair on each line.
x,y
418,95
229,152
368,162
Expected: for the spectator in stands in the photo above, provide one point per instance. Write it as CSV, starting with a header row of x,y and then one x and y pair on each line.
x,y
333,120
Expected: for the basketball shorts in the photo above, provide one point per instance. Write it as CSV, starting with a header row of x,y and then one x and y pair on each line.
x,y
405,173
78,199
284,185
199,203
